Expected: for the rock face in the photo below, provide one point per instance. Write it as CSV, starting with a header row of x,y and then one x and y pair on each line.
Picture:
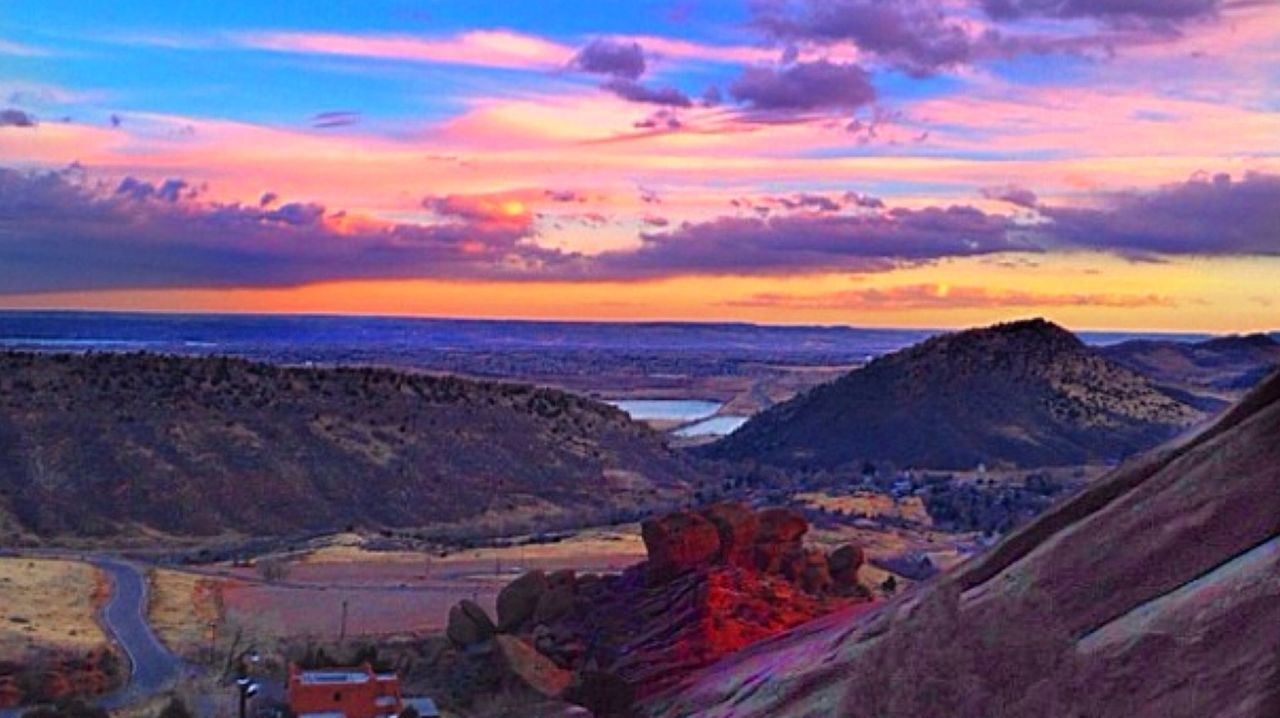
x,y
1150,594
699,596
1027,394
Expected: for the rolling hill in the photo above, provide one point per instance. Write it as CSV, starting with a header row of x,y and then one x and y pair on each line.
x,y
1213,369
103,444
1026,394
1152,593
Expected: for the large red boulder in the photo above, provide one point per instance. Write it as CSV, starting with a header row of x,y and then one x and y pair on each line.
x,y
781,531
677,543
737,526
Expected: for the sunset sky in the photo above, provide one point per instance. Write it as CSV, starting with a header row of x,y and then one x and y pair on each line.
x,y
1106,163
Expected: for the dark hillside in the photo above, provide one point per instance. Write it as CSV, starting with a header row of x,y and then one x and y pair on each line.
x,y
105,443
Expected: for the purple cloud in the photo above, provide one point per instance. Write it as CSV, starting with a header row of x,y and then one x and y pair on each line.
x,y
1171,11
1203,216
335,118
912,35
61,232
621,60
16,118
633,91
1013,194
783,244
819,85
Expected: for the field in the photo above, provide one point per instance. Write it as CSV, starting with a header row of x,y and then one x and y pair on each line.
x,y
48,606
386,593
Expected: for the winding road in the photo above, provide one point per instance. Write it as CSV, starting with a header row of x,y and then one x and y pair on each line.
x,y
151,666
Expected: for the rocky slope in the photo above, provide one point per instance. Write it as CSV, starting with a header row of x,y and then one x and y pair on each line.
x,y
1150,594
105,443
1026,394
715,581
1210,370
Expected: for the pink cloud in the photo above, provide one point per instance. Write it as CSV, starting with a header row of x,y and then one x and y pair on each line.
x,y
482,48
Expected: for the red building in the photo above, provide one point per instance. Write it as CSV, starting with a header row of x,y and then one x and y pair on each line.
x,y
344,693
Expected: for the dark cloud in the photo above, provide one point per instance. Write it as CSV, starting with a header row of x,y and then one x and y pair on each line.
x,y
334,118
783,244
267,199
622,60
633,91
805,86
1172,11
1013,194
1203,216
62,232
923,37
16,118
814,202
913,35
664,119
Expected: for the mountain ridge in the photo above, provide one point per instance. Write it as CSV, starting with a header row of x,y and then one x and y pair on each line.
x,y
100,444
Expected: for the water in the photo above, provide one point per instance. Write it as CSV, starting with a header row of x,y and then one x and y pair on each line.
x,y
680,410
715,426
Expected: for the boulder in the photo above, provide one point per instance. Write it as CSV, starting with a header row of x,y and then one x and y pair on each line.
x,y
564,577
737,526
780,533
518,600
536,670
554,604
469,624
844,563
677,543
815,578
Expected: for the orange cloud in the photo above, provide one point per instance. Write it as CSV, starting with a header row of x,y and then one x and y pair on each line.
x,y
946,296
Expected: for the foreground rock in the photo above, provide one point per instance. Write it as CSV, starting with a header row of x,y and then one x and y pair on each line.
x,y
716,581
1151,594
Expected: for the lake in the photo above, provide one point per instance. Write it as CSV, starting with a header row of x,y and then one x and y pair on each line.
x,y
678,410
715,426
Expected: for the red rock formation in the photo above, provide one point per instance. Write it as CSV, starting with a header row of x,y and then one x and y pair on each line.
x,y
677,543
716,581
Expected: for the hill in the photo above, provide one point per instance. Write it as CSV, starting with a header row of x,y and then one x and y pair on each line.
x,y
1223,367
1151,593
109,443
1026,393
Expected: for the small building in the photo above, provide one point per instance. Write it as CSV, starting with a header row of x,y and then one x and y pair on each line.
x,y
344,693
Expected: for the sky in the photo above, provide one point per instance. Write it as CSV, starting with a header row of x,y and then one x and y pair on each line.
x,y
1111,164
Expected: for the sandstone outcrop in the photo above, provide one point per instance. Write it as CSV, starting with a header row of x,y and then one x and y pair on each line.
x,y
716,580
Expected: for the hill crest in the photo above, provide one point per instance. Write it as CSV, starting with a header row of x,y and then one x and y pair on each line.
x,y
1026,393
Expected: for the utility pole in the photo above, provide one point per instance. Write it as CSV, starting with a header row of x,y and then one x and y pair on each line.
x,y
342,631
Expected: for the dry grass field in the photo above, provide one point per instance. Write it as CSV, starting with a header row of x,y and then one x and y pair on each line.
x,y
49,605
181,608
871,505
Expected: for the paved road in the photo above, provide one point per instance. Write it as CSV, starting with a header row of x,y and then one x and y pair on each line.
x,y
151,666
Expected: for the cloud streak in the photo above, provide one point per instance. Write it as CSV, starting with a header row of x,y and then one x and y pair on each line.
x,y
943,296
